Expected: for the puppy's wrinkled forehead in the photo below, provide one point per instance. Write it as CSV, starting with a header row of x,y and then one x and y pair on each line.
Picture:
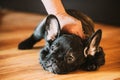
x,y
69,41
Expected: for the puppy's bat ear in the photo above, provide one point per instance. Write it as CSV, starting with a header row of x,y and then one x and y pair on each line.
x,y
93,44
52,28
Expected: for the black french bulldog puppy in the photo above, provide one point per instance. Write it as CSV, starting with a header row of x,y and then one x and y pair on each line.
x,y
65,52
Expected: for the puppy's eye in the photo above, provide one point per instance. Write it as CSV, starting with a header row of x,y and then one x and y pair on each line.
x,y
70,59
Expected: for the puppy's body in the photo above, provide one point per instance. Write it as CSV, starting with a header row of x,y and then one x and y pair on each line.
x,y
65,52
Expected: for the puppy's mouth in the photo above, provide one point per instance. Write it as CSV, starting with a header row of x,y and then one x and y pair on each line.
x,y
52,68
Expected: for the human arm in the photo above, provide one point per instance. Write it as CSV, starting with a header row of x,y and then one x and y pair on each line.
x,y
68,23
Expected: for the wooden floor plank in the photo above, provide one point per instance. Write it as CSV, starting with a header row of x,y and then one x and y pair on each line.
x,y
24,64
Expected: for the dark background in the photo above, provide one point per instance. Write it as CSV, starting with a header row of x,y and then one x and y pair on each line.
x,y
103,11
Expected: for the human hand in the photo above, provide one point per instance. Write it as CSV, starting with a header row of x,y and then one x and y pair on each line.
x,y
70,24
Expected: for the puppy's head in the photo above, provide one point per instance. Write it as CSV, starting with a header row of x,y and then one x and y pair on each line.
x,y
65,52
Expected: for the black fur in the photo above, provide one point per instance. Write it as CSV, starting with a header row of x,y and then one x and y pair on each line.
x,y
63,52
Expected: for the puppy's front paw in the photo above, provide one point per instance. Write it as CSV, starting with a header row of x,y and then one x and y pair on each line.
x,y
91,67
28,43
90,64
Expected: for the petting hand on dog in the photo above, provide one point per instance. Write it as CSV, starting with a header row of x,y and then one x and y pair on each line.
x,y
68,23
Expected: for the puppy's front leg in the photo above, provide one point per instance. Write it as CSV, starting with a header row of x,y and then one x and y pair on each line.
x,y
94,62
37,35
